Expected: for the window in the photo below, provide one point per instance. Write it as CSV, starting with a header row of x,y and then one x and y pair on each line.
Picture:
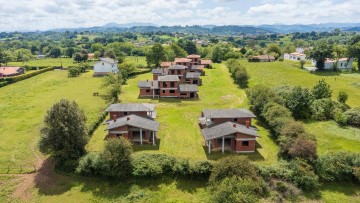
x,y
164,91
147,91
245,143
172,84
179,72
235,119
125,113
172,91
164,84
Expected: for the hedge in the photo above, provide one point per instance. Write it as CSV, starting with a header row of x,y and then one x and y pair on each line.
x,y
18,78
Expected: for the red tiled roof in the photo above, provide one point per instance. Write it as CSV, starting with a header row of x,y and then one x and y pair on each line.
x,y
182,60
166,64
9,70
206,62
193,56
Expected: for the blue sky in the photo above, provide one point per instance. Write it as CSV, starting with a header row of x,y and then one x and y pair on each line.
x,y
49,14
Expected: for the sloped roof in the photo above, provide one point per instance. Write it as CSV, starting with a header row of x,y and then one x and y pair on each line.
x,y
188,88
197,67
169,78
264,57
193,56
182,60
191,75
166,64
108,60
130,107
135,121
9,70
160,71
228,113
206,62
227,128
177,67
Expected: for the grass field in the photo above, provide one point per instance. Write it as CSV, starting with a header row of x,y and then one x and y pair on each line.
x,y
179,132
24,104
330,136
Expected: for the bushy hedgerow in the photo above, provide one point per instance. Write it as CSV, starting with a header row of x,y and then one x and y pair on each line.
x,y
353,117
238,72
26,76
284,190
234,179
338,166
95,125
297,171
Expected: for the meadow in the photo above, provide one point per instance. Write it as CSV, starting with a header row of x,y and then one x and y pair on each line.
x,y
24,104
330,136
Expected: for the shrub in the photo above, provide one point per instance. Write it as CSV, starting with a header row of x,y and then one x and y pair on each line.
x,y
303,147
259,96
116,157
96,124
281,59
73,72
238,166
298,102
241,77
91,165
235,189
292,129
321,90
3,83
26,76
342,97
201,170
152,165
337,166
322,109
286,190
340,118
353,116
181,167
302,63
303,175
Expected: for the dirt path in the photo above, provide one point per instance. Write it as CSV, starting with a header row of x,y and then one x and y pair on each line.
x,y
23,189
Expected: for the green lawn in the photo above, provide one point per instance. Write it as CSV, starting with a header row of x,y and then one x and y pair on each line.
x,y
179,132
66,62
24,104
330,136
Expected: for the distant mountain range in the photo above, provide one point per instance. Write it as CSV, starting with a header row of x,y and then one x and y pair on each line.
x,y
218,30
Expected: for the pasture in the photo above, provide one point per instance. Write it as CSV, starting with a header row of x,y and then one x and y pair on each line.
x,y
330,136
23,106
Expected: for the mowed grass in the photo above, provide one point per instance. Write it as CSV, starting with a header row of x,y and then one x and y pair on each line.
x,y
24,104
179,134
66,62
330,136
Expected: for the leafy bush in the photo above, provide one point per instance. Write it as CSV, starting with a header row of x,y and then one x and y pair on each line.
x,y
299,101
259,96
3,83
26,76
353,116
238,166
91,165
286,189
321,90
236,189
116,158
73,72
342,97
292,129
340,118
152,165
337,166
322,109
303,147
96,124
201,170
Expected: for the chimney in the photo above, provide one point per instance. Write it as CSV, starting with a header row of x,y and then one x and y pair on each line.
x,y
128,118
248,124
234,125
114,117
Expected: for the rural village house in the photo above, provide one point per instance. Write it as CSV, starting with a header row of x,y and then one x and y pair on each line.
x,y
7,71
178,79
340,64
261,58
295,56
133,121
228,129
105,66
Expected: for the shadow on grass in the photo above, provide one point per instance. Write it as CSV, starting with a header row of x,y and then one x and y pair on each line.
x,y
214,155
327,73
147,147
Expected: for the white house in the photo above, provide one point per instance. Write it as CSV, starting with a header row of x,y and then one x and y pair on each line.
x,y
105,66
341,64
296,56
300,50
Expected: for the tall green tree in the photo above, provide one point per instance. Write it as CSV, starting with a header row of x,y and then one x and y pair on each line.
x,y
188,45
354,49
64,135
55,52
155,55
112,83
219,52
321,51
275,49
321,90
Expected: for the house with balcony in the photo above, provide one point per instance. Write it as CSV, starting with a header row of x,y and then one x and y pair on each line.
x,y
134,122
228,129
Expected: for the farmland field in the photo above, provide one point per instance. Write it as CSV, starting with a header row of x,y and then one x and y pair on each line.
x,y
24,104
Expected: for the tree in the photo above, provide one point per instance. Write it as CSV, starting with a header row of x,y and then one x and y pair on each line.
x,y
354,52
322,109
116,158
353,116
70,52
321,51
23,55
64,135
243,50
188,45
113,82
110,53
155,55
298,102
126,69
55,52
219,52
303,147
339,51
343,97
321,90
77,57
178,51
302,63
274,48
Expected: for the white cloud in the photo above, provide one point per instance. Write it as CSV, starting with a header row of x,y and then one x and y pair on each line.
x,y
47,14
